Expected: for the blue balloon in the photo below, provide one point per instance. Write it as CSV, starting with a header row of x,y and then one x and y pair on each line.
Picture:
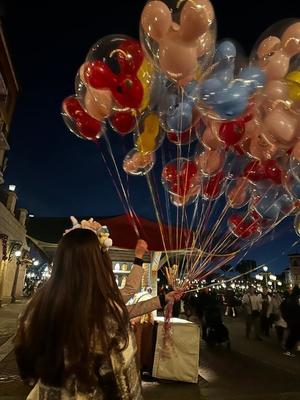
x,y
224,72
225,50
209,88
253,77
180,117
193,92
231,101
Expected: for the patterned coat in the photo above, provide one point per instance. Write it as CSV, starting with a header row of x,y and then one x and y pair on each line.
x,y
118,376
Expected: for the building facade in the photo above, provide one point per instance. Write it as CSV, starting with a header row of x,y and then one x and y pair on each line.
x,y
12,220
294,261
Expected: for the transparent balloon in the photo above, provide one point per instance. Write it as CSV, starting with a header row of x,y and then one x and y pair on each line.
x,y
179,36
137,163
244,226
79,121
276,47
124,122
117,63
212,187
177,112
238,193
181,179
228,86
210,162
96,102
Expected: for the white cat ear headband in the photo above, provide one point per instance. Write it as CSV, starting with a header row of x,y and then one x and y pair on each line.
x,y
102,232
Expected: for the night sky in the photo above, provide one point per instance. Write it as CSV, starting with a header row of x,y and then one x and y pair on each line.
x,y
56,173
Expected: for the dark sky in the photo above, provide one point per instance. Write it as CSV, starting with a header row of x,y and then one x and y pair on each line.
x,y
56,173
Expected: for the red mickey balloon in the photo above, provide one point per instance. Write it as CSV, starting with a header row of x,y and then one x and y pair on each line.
x,y
98,75
255,171
126,89
123,122
244,227
169,173
214,185
130,56
232,132
188,170
87,126
71,106
273,171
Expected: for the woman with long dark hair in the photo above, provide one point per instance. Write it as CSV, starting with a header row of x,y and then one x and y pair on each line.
x,y
74,338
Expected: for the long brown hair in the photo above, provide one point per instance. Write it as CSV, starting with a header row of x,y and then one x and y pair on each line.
x,y
54,339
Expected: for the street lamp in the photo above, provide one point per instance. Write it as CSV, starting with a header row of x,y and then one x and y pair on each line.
x,y
18,253
265,268
36,263
272,277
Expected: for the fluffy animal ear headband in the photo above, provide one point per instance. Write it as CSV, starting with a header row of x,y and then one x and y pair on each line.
x,y
101,231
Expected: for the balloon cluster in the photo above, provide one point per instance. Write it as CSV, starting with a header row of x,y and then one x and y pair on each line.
x,y
177,83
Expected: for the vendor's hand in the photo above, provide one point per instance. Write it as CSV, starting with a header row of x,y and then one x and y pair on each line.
x,y
141,248
173,296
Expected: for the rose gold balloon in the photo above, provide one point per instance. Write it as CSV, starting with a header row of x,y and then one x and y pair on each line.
x,y
282,125
296,151
156,19
210,162
291,40
261,149
195,19
210,140
275,66
177,59
92,108
268,45
237,196
276,90
102,101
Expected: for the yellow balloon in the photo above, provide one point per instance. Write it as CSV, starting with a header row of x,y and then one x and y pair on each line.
x,y
144,75
146,142
293,80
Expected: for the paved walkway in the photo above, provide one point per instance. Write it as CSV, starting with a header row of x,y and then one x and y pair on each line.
x,y
250,371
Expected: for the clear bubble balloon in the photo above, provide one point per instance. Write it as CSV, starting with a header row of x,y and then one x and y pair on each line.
x,y
137,163
79,121
116,63
238,193
179,36
275,48
181,179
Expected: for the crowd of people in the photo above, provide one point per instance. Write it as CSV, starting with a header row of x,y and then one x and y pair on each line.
x,y
263,313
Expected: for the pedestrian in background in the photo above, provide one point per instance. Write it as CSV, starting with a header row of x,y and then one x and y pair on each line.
x,y
252,305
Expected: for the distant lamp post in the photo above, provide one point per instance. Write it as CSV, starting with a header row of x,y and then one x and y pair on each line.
x,y
265,268
259,277
270,283
279,283
12,188
36,263
18,253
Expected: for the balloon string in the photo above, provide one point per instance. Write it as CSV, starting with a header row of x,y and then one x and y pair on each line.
x,y
150,186
133,222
